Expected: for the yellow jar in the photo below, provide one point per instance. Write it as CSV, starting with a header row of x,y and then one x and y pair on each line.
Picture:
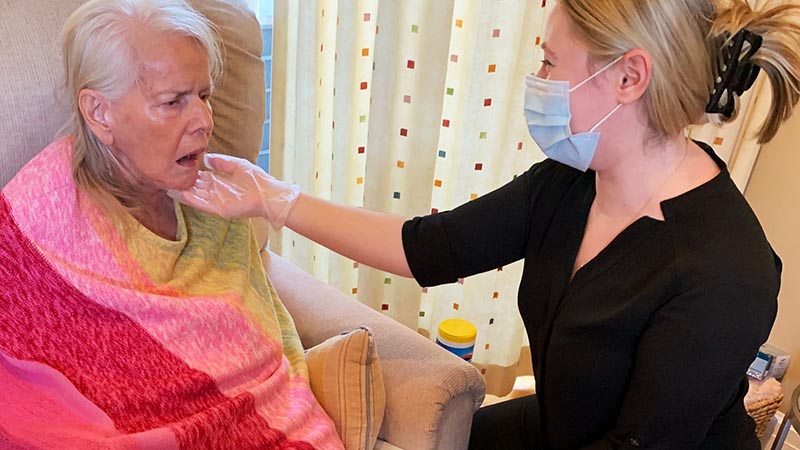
x,y
458,337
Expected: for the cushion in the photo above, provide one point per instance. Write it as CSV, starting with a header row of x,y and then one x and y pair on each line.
x,y
346,379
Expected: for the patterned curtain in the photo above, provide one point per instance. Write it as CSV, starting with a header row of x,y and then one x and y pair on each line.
x,y
413,107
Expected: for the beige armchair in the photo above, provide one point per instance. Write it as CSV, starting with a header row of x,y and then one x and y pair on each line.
x,y
430,394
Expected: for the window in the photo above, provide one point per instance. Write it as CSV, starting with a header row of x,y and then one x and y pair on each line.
x,y
265,10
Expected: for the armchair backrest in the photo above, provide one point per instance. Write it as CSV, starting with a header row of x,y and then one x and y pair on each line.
x,y
31,114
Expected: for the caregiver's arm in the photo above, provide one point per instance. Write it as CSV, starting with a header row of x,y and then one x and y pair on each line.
x,y
238,188
370,237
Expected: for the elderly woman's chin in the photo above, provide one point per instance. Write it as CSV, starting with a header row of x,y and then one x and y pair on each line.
x,y
184,172
181,184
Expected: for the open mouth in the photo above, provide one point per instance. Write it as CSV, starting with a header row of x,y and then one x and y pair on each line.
x,y
190,159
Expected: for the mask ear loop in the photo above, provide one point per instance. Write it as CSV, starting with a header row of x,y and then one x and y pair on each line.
x,y
590,79
597,73
605,118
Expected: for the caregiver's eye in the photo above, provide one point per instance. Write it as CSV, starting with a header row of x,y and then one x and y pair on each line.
x,y
544,70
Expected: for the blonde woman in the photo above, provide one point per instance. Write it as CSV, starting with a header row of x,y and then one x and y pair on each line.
x,y
648,283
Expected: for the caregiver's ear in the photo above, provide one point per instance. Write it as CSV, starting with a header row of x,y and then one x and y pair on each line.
x,y
635,72
95,109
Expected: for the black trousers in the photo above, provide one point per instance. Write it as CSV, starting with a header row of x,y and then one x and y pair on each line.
x,y
509,425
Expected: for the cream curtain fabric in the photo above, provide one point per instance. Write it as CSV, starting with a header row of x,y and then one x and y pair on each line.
x,y
413,107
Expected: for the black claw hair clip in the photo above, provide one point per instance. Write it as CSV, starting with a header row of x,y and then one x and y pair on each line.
x,y
736,73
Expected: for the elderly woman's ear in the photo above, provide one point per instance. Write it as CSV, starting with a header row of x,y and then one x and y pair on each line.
x,y
95,109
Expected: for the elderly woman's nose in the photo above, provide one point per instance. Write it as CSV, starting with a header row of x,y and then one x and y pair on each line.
x,y
201,114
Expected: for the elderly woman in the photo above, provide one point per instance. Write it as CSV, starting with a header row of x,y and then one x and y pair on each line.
x,y
128,321
648,283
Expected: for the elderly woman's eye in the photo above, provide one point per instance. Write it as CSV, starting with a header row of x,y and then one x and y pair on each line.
x,y
173,102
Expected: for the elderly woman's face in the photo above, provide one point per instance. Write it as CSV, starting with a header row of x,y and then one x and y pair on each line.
x,y
162,125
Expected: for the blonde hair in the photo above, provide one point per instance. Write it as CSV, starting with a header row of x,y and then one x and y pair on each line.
x,y
686,39
98,53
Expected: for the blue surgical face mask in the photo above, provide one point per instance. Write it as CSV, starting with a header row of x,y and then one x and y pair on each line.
x,y
548,116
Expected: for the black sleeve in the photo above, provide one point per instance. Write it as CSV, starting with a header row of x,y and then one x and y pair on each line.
x,y
484,234
689,368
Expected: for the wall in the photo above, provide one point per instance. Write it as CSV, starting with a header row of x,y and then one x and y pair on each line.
x,y
774,194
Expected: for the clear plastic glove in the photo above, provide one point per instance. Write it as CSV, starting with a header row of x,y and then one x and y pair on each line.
x,y
236,187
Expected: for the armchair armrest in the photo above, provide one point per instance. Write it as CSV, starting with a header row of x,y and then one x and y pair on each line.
x,y
430,393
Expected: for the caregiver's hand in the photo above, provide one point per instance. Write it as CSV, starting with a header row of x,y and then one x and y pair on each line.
x,y
237,188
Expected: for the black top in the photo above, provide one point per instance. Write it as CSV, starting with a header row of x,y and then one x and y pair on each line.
x,y
648,345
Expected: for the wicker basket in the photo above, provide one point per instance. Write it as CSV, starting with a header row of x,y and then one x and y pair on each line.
x,y
762,412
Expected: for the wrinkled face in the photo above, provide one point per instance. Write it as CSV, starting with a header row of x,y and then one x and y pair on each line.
x,y
162,125
566,60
